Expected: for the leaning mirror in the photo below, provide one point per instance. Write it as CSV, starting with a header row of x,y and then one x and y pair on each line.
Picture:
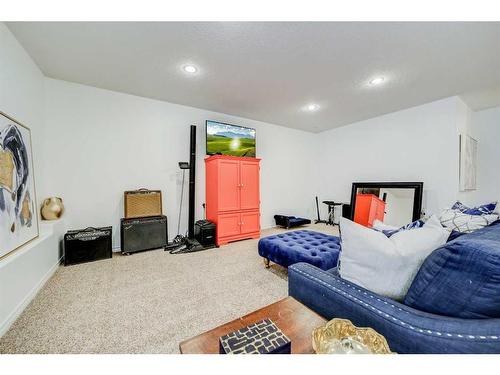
x,y
393,203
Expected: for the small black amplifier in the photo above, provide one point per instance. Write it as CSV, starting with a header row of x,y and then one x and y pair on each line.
x,y
87,245
204,232
143,233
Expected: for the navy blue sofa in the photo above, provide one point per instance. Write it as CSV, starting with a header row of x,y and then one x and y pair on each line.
x,y
452,306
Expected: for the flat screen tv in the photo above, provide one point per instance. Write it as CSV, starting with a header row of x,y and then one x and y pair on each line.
x,y
226,139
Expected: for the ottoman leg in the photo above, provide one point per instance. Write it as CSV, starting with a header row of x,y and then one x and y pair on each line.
x,y
266,262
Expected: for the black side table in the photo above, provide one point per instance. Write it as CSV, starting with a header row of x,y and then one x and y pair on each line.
x,y
331,211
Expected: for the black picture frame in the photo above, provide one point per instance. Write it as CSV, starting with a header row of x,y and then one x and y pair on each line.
x,y
417,198
225,123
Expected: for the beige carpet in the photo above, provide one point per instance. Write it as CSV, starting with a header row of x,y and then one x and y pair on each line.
x,y
147,302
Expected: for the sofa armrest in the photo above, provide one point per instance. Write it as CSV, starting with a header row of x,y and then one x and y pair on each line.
x,y
407,330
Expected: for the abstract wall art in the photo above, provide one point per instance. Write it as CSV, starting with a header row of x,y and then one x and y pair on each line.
x,y
468,163
18,215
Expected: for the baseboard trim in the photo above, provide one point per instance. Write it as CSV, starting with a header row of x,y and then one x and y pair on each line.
x,y
267,228
7,323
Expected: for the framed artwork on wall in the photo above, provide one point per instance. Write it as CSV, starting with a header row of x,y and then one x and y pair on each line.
x,y
18,209
468,162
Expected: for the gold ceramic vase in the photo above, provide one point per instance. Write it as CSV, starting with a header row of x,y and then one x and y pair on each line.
x,y
52,208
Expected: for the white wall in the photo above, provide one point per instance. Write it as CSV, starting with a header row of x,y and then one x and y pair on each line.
x,y
21,96
485,128
416,144
21,93
101,143
126,142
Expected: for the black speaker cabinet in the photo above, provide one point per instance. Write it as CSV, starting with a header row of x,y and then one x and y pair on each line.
x,y
143,233
204,232
87,245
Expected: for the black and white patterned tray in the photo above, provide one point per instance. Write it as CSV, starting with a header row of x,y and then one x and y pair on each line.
x,y
263,337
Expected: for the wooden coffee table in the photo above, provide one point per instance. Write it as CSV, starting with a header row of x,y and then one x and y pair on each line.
x,y
293,318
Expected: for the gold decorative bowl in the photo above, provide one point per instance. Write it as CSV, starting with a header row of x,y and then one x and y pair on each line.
x,y
340,336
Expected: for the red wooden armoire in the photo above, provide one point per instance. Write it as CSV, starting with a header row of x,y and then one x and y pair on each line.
x,y
233,197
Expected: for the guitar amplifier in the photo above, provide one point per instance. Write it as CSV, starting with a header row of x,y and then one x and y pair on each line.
x,y
142,203
143,234
87,245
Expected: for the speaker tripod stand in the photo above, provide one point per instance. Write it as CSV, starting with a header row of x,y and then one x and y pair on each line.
x,y
318,220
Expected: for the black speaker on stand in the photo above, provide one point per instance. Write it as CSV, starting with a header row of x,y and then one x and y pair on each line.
x,y
192,177
188,244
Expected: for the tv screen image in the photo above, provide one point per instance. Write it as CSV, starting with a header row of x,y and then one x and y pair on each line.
x,y
229,139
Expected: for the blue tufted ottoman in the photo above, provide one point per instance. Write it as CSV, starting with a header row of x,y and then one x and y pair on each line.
x,y
318,249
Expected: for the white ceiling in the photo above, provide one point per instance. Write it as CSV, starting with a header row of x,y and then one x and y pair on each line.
x,y
270,71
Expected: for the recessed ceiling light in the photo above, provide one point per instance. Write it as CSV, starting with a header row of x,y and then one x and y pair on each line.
x,y
312,107
376,81
190,68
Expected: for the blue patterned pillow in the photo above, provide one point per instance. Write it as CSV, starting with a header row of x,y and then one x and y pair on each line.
x,y
485,209
413,225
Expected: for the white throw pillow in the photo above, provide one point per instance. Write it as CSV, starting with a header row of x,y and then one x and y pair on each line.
x,y
456,220
387,266
379,225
